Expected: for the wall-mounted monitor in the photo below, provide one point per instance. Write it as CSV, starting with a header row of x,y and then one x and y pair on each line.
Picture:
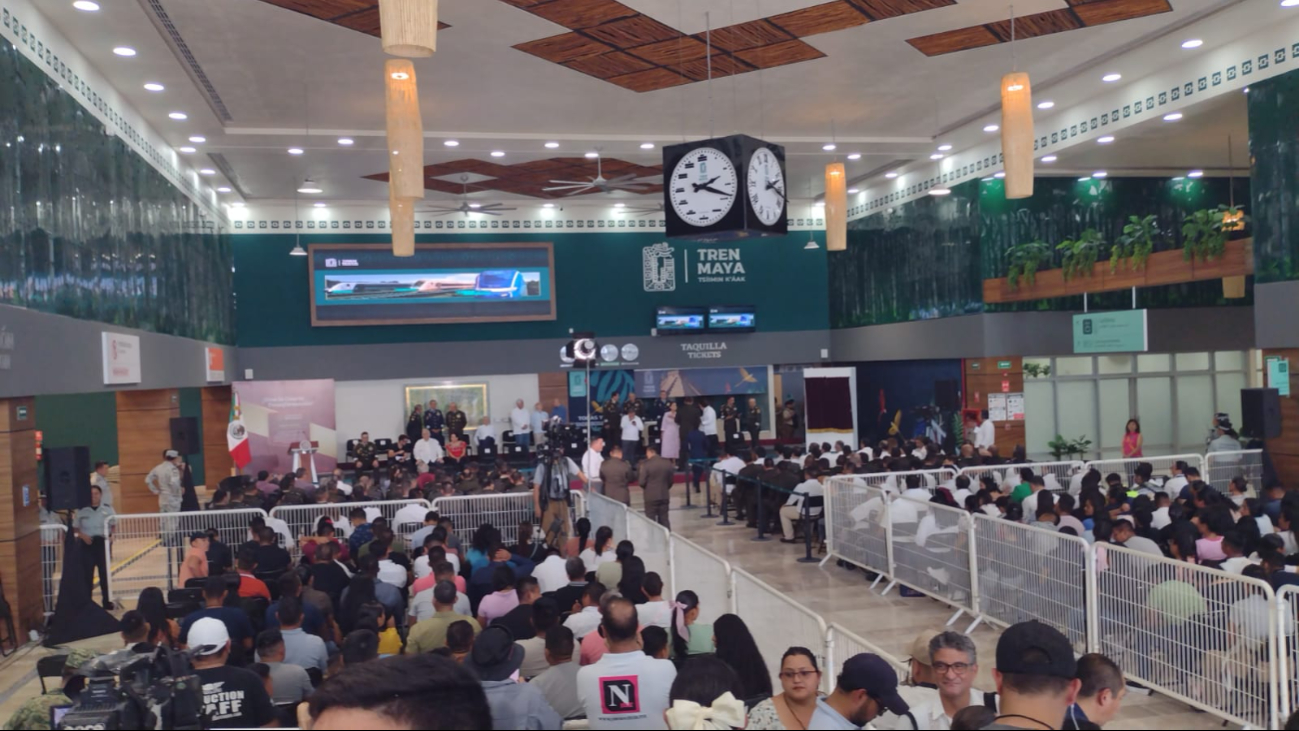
x,y
681,320
733,318
357,284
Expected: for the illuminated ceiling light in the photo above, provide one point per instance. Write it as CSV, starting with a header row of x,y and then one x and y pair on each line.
x,y
198,139
1192,43
620,205
1045,105
1017,135
346,141
853,191
320,204
1246,90
592,155
890,176
498,153
940,191
1180,177
237,204
829,147
298,250
836,207
988,180
1085,179
179,116
1100,174
405,126
1195,174
1000,176
399,75
995,127
125,51
1289,3
1050,159
310,187
451,143
475,205
547,205
936,156
819,204
86,5
1105,140
207,171
151,86
295,150
1172,117
552,145
944,148
855,156
647,145
408,28
1111,78
223,189
187,149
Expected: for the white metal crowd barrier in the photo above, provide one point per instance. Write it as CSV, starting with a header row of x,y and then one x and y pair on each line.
x,y
857,525
606,511
897,481
1162,465
776,621
703,572
52,537
653,545
1221,467
504,511
1287,605
841,644
148,550
933,552
1202,636
304,520
1057,475
1026,573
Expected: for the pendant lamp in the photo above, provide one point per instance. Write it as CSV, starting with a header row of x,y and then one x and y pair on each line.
x,y
402,211
405,130
409,28
1017,134
836,207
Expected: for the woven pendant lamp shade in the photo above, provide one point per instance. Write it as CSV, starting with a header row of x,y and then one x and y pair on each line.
x,y
402,211
836,207
1017,134
405,130
409,28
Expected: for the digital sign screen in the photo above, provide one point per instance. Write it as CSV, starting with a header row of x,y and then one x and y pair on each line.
x,y
681,319
367,285
732,319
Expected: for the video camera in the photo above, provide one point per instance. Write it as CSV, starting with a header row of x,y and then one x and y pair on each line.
x,y
153,690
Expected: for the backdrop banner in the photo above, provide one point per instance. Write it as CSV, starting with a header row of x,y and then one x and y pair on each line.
x,y
279,413
702,381
604,384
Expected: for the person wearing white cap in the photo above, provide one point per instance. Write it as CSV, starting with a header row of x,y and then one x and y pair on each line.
x,y
232,697
164,481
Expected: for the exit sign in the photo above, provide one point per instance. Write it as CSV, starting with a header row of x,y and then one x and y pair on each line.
x,y
1003,365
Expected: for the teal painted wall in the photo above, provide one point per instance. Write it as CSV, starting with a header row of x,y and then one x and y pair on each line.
x,y
79,420
1274,148
598,284
191,404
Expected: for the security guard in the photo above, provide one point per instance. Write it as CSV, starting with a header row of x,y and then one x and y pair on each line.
x,y
92,529
164,481
433,421
35,713
456,421
731,424
752,422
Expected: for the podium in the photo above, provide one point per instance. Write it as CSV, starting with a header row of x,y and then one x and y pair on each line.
x,y
299,450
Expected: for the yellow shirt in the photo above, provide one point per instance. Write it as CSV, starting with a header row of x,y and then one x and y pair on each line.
x,y
389,642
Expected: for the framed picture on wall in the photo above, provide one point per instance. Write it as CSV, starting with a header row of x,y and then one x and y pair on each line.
x,y
470,398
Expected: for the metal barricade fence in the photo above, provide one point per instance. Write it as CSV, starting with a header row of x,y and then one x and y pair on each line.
x,y
897,481
857,525
706,574
776,621
1221,467
1199,635
148,549
654,546
579,504
606,511
1287,605
841,644
53,536
303,520
504,511
1028,573
1162,465
1059,473
933,553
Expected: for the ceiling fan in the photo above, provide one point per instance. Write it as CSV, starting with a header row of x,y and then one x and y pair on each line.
x,y
626,182
644,211
466,207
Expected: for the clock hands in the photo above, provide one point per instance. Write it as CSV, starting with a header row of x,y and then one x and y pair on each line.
x,y
704,186
711,189
779,192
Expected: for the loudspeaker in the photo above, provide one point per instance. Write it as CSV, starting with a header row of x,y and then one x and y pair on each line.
x,y
947,395
184,435
67,477
1260,412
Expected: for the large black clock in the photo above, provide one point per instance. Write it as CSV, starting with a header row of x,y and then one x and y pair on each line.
x,y
725,188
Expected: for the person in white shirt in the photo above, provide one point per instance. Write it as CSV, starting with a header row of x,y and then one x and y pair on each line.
x,y
1037,485
521,424
427,450
708,425
485,430
866,452
632,426
657,611
539,418
1125,534
1178,482
389,572
793,508
414,514
625,688
551,574
591,462
953,658
728,465
985,436
586,621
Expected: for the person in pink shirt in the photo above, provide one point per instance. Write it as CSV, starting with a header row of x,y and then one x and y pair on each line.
x,y
1213,522
195,566
503,598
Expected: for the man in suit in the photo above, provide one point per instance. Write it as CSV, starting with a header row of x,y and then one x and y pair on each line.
x,y
655,477
615,475
689,417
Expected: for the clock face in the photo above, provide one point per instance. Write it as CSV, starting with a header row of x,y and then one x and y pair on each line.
x,y
609,353
630,352
766,186
703,187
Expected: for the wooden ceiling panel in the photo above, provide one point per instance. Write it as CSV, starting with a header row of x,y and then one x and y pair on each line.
x,y
537,166
1112,11
579,14
637,30
324,9
524,3
1036,25
443,186
563,48
822,18
366,21
525,178
651,80
673,52
743,36
780,54
723,65
882,9
605,65
962,39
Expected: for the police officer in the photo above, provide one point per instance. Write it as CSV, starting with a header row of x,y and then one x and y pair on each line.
x,y
92,529
752,421
364,452
164,481
731,424
456,421
433,421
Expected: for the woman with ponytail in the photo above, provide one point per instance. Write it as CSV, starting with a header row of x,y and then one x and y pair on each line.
x,y
689,637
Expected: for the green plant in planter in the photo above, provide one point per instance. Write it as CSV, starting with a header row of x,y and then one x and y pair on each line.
x,y
1204,236
1136,243
1024,262
1080,255
1062,448
1037,370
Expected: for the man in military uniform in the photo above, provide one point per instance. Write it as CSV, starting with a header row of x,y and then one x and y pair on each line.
x,y
164,481
785,426
615,474
752,422
657,409
634,405
731,424
433,421
456,421
611,428
35,713
92,528
364,452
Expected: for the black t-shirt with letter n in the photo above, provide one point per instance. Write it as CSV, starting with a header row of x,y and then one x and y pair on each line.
x,y
235,698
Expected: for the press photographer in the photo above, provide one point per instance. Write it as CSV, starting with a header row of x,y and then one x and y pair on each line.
x,y
551,486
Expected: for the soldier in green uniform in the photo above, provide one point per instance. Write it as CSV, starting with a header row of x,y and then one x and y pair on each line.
x,y
35,713
456,420
467,483
611,428
731,424
752,422
164,481
364,452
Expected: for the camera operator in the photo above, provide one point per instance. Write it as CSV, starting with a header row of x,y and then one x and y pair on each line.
x,y
35,713
232,697
551,493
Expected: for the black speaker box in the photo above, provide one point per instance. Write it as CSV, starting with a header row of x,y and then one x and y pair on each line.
x,y
1260,412
67,477
184,435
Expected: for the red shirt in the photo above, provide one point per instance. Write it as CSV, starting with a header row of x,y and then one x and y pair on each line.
x,y
457,449
251,586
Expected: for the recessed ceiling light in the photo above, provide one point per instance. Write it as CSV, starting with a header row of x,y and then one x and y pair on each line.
x,y
320,204
1110,78
1172,117
207,171
1050,159
1100,174
1192,43
346,141
1289,3
223,189
829,147
309,186
547,205
198,139
988,180
999,176
992,128
620,205
1195,174
187,149
498,153
86,5
152,86
855,156
853,191
451,143
890,176
475,205
178,115
1180,177
551,146
237,204
124,51
1246,90
944,148
1045,105
295,150
647,145
936,156
940,191
819,204
1084,179
592,155
1105,140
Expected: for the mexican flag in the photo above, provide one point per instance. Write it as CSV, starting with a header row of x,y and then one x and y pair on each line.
x,y
237,436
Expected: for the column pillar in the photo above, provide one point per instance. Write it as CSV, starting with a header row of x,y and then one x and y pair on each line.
x,y
20,537
143,434
217,463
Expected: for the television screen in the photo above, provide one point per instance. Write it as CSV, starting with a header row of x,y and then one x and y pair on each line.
x,y
367,285
732,319
681,319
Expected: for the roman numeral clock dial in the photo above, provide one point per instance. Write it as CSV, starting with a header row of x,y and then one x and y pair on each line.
x,y
703,188
766,186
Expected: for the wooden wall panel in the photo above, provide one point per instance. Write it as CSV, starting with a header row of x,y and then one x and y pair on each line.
x,y
143,434
984,376
216,453
553,386
20,538
20,570
1284,450
9,408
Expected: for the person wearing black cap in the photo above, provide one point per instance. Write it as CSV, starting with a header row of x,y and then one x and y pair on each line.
x,y
1036,677
495,659
867,686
